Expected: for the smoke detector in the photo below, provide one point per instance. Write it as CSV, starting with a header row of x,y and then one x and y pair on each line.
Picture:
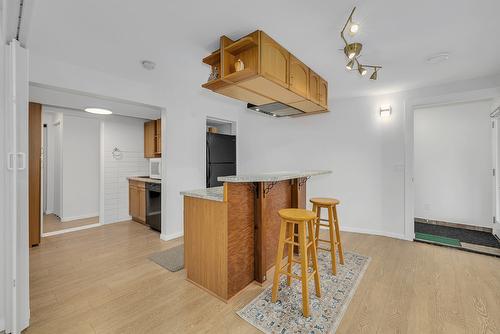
x,y
148,64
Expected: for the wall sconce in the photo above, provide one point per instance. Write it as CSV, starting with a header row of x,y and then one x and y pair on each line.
x,y
385,111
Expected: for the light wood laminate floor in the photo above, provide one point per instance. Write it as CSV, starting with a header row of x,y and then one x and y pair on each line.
x,y
52,223
100,281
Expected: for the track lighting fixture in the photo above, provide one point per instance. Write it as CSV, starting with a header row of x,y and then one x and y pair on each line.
x,y
353,50
353,28
362,70
350,64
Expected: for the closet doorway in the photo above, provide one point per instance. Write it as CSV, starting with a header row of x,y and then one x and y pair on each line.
x,y
455,196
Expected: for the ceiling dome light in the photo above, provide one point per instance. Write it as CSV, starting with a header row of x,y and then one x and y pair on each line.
x,y
350,64
353,50
374,75
98,111
361,70
353,29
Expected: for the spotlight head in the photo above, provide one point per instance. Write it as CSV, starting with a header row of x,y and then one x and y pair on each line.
x,y
350,64
374,75
361,70
353,29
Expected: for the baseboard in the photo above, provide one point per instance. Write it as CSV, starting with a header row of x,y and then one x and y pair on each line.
x,y
120,220
86,216
374,232
456,225
167,237
72,229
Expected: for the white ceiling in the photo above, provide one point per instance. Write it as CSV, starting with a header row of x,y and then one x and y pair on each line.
x,y
114,35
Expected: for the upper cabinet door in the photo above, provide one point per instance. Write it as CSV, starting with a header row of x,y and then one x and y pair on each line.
x,y
149,139
313,87
274,61
299,77
323,93
158,137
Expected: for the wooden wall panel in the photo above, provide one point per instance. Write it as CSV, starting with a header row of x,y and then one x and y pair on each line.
x,y
206,244
240,236
35,167
299,193
278,197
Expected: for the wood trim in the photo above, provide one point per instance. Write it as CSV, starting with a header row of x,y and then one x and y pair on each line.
x,y
259,250
34,171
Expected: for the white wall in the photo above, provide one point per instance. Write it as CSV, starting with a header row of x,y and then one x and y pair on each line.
x,y
363,152
80,168
453,163
126,134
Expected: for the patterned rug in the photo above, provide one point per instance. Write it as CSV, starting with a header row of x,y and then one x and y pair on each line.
x,y
285,316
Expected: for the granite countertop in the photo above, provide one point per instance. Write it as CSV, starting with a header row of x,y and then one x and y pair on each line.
x,y
144,179
272,177
214,194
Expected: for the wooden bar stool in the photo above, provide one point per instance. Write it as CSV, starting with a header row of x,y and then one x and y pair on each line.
x,y
333,225
304,219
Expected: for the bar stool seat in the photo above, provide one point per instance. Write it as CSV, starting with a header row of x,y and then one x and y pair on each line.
x,y
333,227
324,201
297,214
304,221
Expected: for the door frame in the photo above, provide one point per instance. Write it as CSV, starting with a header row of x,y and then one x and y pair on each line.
x,y
409,107
101,180
496,165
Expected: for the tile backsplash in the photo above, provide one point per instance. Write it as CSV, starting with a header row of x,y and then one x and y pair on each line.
x,y
116,171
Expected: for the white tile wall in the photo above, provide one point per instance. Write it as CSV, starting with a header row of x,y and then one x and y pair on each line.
x,y
116,172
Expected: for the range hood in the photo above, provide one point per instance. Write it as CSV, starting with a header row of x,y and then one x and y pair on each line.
x,y
275,109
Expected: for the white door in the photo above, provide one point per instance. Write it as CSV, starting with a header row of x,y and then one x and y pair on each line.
x,y
496,166
15,148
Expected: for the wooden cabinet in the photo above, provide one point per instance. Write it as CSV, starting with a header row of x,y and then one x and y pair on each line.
x,y
152,139
314,87
299,77
323,93
271,74
274,60
137,201
158,137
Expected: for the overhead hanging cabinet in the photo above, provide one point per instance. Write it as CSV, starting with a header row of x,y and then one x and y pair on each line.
x,y
270,74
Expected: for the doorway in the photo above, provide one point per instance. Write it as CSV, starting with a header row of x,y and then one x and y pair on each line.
x,y
220,150
453,162
70,171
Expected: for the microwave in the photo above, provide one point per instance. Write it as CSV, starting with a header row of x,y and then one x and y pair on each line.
x,y
155,168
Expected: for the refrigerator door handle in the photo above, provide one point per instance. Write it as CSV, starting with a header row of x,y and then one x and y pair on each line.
x,y
208,164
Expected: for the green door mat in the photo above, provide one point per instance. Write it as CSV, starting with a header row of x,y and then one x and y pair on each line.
x,y
437,239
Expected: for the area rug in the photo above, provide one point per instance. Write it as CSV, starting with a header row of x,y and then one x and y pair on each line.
x,y
171,259
285,316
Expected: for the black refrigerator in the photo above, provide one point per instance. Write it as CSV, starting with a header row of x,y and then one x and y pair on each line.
x,y
221,157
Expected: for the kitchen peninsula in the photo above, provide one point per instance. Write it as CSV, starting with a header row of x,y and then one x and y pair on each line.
x,y
231,232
